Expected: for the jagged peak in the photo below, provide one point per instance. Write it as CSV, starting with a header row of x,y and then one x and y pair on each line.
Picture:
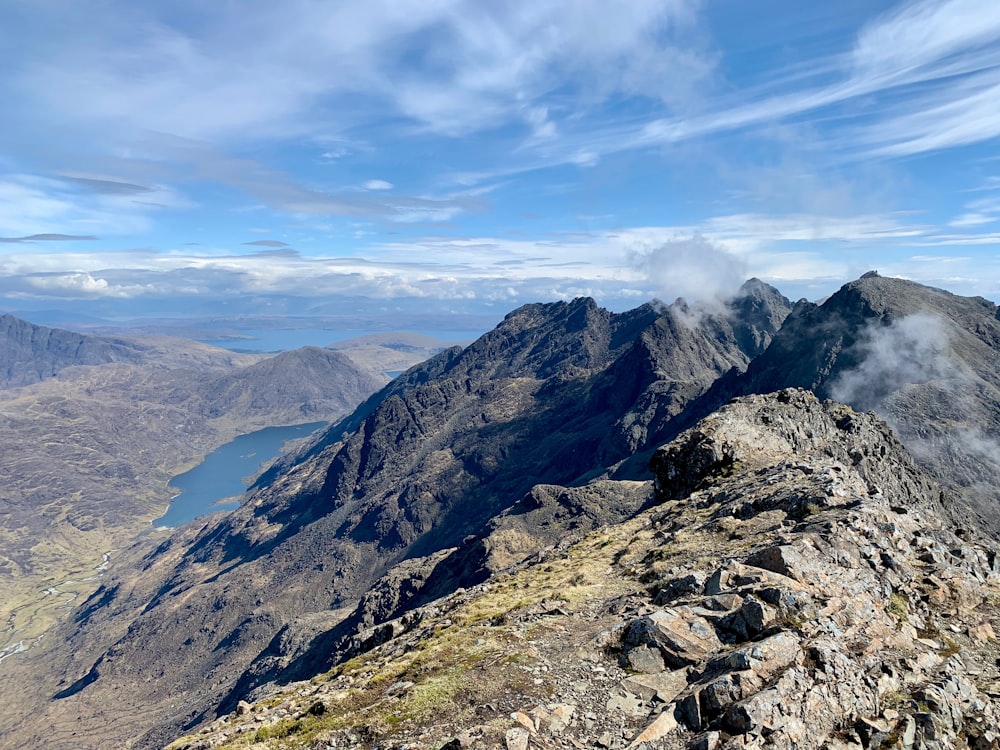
x,y
556,309
753,285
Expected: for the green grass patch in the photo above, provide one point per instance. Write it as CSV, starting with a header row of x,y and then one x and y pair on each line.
x,y
277,731
899,607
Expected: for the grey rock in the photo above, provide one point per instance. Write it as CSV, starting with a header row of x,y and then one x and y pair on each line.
x,y
645,659
664,686
683,637
516,739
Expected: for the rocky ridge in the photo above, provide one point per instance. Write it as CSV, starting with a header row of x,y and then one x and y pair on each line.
x,y
794,586
927,361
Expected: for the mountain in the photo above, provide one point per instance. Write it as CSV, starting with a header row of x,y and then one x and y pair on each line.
x,y
555,392
791,586
391,353
569,524
31,353
925,360
301,385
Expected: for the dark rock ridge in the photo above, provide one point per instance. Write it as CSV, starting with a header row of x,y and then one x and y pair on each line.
x,y
925,360
555,392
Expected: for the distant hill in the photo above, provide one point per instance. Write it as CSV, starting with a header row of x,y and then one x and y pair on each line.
x,y
30,353
391,353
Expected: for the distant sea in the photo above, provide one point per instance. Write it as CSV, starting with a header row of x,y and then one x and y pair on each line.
x,y
278,340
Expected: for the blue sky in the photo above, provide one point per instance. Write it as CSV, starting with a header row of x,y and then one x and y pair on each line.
x,y
397,157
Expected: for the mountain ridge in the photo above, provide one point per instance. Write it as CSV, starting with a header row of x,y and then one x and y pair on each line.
x,y
924,359
825,607
426,475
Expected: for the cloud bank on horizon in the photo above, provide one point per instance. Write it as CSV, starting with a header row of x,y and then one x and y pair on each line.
x,y
469,157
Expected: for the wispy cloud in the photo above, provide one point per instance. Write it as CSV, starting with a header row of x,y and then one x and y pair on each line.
x,y
268,243
198,81
107,187
649,131
979,212
932,69
47,238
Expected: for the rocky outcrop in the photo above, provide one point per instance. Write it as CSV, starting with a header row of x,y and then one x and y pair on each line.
x,y
841,625
801,598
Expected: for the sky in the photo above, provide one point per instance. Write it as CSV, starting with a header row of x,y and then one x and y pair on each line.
x,y
409,161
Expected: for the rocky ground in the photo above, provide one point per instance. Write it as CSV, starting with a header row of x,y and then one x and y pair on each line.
x,y
795,586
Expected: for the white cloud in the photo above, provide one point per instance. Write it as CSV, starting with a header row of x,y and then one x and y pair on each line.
x,y
978,212
34,205
80,285
121,63
692,268
154,97
916,34
912,350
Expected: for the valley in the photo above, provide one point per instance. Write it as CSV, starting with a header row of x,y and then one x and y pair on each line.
x,y
89,448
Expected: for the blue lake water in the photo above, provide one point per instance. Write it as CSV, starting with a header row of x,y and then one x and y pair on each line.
x,y
223,471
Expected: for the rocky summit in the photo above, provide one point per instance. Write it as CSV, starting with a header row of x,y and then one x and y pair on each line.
x,y
569,535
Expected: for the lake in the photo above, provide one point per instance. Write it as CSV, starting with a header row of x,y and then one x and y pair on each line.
x,y
221,475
